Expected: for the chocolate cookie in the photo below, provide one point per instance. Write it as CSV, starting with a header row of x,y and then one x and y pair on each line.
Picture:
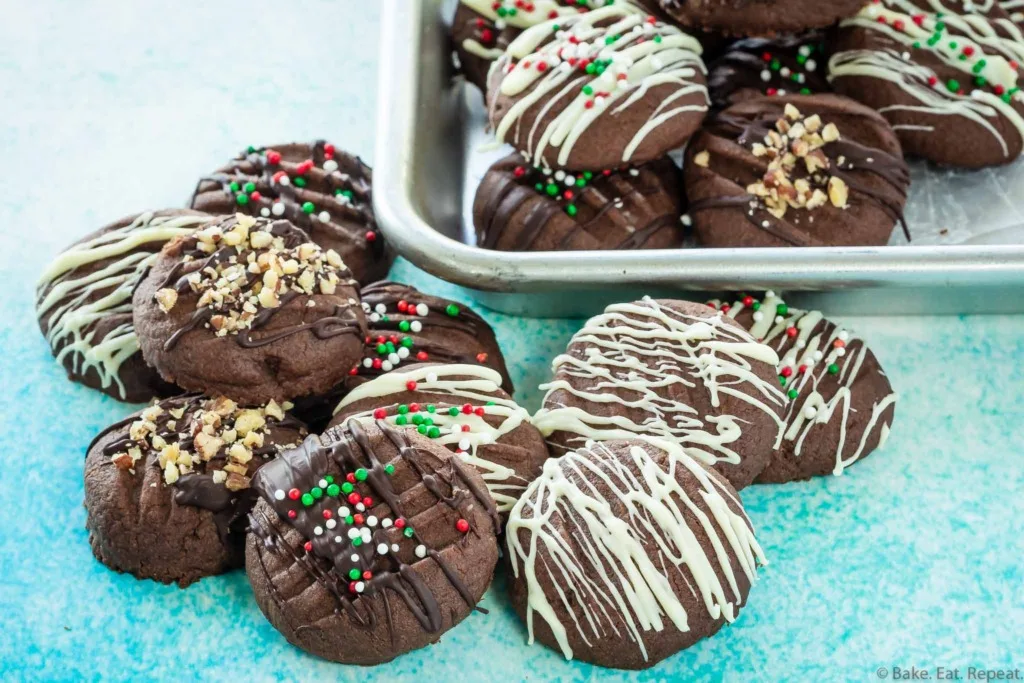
x,y
464,408
841,405
598,90
325,191
626,552
249,308
759,17
789,64
482,29
945,74
669,370
522,208
805,171
167,490
84,303
369,542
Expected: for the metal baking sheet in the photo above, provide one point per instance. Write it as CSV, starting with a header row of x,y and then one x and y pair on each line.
x,y
967,228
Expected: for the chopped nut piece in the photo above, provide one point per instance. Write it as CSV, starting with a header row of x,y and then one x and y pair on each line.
x,y
260,239
838,192
253,440
273,410
236,482
208,446
166,299
122,461
702,159
268,298
236,468
247,421
170,473
219,476
830,133
239,453
791,112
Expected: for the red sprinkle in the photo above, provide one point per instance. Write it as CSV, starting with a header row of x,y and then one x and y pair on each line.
x,y
367,501
467,409
422,355
350,478
377,363
400,523
358,518
791,332
354,498
327,514
367,575
304,167
414,407
411,385
329,149
481,358
462,525
370,236
292,514
294,494
786,371
273,158
479,411
308,545
255,196
380,414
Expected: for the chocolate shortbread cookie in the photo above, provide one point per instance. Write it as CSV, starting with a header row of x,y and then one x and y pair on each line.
x,y
670,370
784,65
598,90
464,408
519,207
841,405
946,74
167,490
323,190
759,17
369,542
811,170
626,552
84,302
251,309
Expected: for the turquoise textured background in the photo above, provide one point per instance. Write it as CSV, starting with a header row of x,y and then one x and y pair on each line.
x,y
911,559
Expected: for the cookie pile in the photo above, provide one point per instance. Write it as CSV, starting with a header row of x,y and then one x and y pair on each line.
x,y
796,117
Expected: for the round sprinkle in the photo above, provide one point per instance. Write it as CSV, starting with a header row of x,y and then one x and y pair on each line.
x,y
386,523
421,551
318,530
371,521
382,549
394,547
279,494
353,533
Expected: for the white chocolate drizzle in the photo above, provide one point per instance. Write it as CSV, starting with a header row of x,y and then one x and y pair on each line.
x,y
642,54
463,382
598,558
997,41
816,349
641,355
63,297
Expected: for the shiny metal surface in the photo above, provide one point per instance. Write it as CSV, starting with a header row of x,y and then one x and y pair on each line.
x,y
431,150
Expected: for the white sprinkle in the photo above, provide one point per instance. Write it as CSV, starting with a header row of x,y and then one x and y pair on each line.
x,y
318,530
778,319
811,65
394,547
817,355
360,586
338,539
800,343
330,165
277,209
367,363
386,523
422,310
431,377
403,352
421,551
374,317
416,326
343,512
382,549
279,494
810,412
324,217
464,444
766,75
758,316
634,172
381,308
322,483
355,558
559,175
371,521
770,294
386,366
394,358
570,180
360,507
353,533
686,220
285,180
844,335
331,523
785,72
840,352
367,535
265,212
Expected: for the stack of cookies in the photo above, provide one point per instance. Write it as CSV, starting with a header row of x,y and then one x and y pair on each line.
x,y
795,116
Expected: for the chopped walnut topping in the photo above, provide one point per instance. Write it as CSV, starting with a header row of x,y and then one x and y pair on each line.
x,y
702,159
797,176
218,431
251,268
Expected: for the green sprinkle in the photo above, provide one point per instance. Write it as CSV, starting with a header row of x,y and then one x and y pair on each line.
x,y
242,199
591,68
307,207
234,187
354,573
551,189
452,310
428,421
489,404
333,490
453,411
251,149
657,39
408,532
587,90
356,542
422,429
361,474
782,380
953,85
833,369
581,182
401,420
433,432
307,499
390,346
390,469
406,342
381,349
347,487
329,479
403,409
350,520
775,65
431,408
404,326
417,419
756,305
793,393
571,210
250,187
782,309
588,175
299,181
317,492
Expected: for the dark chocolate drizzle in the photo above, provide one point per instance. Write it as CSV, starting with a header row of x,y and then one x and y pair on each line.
x,y
342,319
608,204
321,189
198,489
345,449
752,127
